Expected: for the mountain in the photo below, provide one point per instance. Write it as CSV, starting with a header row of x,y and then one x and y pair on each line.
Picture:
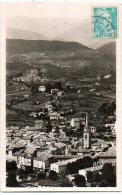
x,y
49,27
13,33
25,46
60,29
66,60
83,34
109,51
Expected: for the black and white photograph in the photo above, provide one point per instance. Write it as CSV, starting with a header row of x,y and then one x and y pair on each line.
x,y
61,121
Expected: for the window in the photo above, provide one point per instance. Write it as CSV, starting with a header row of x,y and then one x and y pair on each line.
x,y
85,136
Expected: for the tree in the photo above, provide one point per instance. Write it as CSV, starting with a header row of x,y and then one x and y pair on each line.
x,y
66,183
89,176
22,174
96,177
41,176
11,165
34,88
49,126
53,176
80,181
83,163
11,180
108,174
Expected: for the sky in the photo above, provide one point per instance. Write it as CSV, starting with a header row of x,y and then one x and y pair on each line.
x,y
56,21
50,10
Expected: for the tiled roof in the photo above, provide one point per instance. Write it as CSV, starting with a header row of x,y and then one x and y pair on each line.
x,y
42,156
95,168
29,150
60,144
110,153
65,162
34,129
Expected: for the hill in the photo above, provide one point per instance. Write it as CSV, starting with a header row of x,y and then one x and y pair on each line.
x,y
82,33
25,46
13,33
109,51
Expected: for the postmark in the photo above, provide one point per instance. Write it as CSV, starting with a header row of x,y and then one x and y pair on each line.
x,y
104,22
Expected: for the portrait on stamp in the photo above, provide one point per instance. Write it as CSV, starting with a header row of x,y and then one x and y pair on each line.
x,y
105,22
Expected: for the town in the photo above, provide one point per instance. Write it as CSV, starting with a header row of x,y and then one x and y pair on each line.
x,y
60,133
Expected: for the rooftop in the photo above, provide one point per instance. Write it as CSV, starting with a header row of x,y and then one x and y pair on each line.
x,y
65,162
110,153
29,150
95,168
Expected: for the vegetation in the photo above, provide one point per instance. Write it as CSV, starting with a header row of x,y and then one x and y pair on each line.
x,y
80,181
53,176
11,165
83,163
11,180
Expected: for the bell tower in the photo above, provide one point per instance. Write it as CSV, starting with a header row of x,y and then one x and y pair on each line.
x,y
86,135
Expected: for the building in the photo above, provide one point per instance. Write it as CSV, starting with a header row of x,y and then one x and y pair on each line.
x,y
107,157
54,116
54,91
91,169
39,123
31,73
61,166
9,137
42,160
41,88
112,127
18,147
25,158
86,135
92,129
76,122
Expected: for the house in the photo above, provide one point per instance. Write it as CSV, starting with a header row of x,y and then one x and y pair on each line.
x,y
97,168
54,91
9,137
54,116
34,129
25,158
107,157
16,147
17,136
50,108
42,160
92,129
15,128
41,88
39,123
75,122
59,93
65,140
61,166
26,138
62,148
112,127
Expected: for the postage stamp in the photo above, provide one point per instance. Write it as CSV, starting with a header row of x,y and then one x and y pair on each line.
x,y
105,22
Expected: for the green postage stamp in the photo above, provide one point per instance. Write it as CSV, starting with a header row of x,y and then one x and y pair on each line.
x,y
105,22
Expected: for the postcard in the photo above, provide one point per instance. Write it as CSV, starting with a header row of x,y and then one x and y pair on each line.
x,y
61,97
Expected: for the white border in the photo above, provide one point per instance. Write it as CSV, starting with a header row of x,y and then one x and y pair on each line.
x,y
3,102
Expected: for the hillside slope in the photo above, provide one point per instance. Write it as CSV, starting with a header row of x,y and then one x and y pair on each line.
x,y
13,33
24,46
